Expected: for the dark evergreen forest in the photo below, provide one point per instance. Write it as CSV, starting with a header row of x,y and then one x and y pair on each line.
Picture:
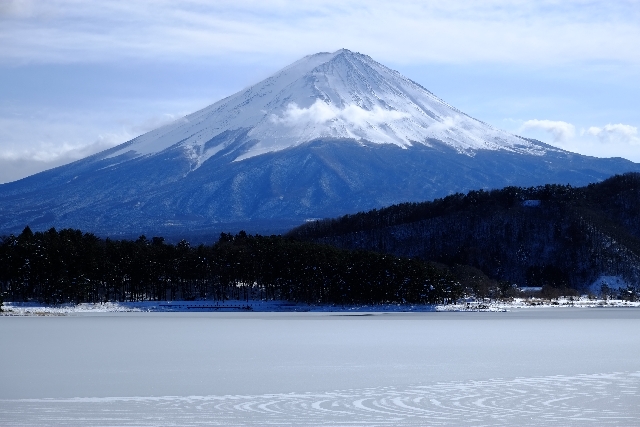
x,y
557,236
71,266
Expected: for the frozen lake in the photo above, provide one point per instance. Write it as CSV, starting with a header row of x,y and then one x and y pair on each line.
x,y
524,367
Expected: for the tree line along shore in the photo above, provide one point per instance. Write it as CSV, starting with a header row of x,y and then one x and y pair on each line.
x,y
64,266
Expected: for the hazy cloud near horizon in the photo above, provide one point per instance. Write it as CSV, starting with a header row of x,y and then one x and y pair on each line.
x,y
611,140
561,131
60,139
616,133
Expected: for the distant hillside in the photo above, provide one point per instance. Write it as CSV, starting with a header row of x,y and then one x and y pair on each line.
x,y
554,235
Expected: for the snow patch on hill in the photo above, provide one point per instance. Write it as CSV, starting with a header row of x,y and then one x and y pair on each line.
x,y
612,283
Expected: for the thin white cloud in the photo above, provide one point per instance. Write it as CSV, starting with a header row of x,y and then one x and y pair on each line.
x,y
33,143
16,163
320,112
72,145
559,130
616,133
376,116
612,140
539,31
47,153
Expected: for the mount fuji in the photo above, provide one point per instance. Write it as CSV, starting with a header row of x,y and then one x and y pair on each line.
x,y
330,134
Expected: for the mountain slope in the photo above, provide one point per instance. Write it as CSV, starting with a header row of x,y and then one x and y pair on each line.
x,y
343,95
330,134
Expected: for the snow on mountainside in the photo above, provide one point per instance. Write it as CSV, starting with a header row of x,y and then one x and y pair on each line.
x,y
327,95
331,134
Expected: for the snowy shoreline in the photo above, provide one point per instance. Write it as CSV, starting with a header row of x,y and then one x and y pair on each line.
x,y
37,309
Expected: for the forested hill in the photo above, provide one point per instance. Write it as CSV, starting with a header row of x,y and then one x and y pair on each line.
x,y
553,235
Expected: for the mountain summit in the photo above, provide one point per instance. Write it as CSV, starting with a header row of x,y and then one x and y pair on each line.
x,y
332,133
343,95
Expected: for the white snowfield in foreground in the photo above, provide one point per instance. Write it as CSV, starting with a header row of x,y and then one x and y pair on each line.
x,y
35,309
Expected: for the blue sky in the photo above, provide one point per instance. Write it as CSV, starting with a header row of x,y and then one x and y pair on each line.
x,y
77,77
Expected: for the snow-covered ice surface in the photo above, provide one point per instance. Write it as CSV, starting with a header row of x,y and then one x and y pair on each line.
x,y
541,366
599,399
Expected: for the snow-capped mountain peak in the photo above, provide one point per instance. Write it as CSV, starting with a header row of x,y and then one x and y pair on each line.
x,y
327,95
